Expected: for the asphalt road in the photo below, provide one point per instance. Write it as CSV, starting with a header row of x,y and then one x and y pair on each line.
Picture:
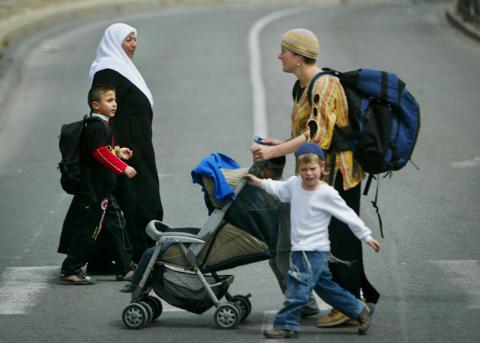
x,y
196,62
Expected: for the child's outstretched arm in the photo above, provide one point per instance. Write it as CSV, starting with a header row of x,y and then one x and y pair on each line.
x,y
374,244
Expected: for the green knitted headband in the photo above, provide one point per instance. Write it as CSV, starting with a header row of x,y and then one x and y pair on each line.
x,y
302,42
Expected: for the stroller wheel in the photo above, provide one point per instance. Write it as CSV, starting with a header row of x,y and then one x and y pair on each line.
x,y
227,316
149,311
243,304
134,316
155,304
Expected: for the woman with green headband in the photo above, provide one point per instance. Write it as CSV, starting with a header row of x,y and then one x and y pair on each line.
x,y
314,122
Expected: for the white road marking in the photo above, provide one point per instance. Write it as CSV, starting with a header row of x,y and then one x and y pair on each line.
x,y
467,164
20,286
466,275
260,126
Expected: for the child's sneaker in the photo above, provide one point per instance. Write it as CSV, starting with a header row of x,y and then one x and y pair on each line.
x,y
128,288
127,276
280,334
334,318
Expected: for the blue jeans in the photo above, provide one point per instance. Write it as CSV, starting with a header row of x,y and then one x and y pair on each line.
x,y
142,265
309,270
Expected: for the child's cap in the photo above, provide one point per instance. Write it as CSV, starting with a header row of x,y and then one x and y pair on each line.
x,y
310,148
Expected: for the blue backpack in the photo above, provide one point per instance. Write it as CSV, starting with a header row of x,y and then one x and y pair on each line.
x,y
384,121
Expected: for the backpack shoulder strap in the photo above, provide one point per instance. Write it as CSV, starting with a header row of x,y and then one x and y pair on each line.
x,y
325,71
295,88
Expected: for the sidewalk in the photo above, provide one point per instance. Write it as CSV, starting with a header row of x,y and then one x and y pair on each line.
x,y
456,20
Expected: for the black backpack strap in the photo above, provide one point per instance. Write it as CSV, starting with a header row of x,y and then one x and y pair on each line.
x,y
88,118
375,202
375,205
333,159
295,89
369,182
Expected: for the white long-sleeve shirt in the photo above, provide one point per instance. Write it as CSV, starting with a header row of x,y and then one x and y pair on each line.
x,y
311,211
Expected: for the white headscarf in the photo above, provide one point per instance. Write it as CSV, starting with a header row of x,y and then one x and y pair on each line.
x,y
110,55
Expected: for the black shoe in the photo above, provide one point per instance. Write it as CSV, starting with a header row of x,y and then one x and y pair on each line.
x,y
277,334
307,312
101,268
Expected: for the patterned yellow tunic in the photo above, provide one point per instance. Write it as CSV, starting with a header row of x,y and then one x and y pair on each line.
x,y
316,122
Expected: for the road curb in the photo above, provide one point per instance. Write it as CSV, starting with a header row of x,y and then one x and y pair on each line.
x,y
456,21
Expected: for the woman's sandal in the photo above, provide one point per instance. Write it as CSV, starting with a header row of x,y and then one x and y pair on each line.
x,y
77,279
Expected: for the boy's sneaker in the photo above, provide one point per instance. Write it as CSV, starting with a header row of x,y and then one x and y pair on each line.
x,y
334,318
127,276
362,319
128,288
279,334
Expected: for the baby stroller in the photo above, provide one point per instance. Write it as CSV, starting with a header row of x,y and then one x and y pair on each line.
x,y
183,267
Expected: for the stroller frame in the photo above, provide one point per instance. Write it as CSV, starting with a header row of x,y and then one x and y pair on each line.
x,y
144,308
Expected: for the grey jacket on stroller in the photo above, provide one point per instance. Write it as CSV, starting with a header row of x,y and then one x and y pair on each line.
x,y
183,267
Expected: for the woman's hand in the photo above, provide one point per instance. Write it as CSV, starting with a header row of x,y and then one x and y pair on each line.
x,y
261,152
271,141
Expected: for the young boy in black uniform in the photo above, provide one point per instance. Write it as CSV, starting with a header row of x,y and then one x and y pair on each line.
x,y
94,209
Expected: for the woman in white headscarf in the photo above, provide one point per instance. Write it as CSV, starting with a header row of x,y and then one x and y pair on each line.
x,y
139,198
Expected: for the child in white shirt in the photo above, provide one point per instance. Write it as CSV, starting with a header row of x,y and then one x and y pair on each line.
x,y
312,204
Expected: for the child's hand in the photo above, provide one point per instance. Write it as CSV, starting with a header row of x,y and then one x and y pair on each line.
x,y
374,244
125,153
130,172
253,180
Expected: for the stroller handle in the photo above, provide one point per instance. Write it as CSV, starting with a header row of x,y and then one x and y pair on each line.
x,y
173,237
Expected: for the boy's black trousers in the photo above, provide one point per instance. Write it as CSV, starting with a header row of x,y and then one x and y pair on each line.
x,y
102,217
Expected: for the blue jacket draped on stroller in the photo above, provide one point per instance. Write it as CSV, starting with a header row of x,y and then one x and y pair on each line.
x,y
241,229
